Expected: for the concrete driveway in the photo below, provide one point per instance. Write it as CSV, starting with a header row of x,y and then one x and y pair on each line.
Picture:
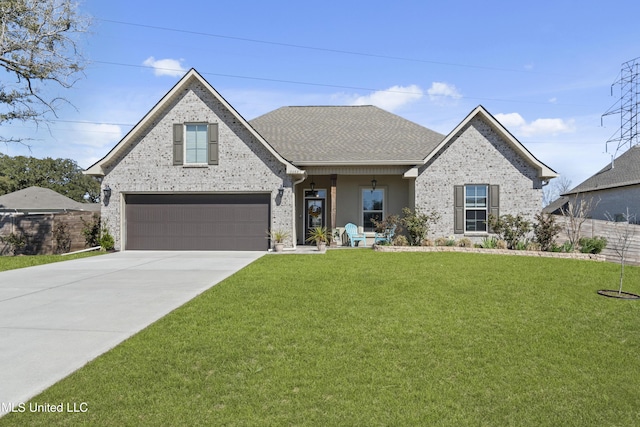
x,y
55,318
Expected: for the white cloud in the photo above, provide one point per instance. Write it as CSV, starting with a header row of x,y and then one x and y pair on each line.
x,y
392,98
516,123
440,91
165,67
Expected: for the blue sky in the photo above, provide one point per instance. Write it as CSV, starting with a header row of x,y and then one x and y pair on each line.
x,y
543,68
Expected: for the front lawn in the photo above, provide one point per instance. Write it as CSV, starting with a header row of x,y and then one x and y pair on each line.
x,y
13,262
357,337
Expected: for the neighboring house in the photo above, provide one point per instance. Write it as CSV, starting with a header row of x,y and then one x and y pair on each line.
x,y
38,200
34,212
610,191
194,174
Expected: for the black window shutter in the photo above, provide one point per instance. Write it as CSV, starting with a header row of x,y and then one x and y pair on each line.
x,y
213,144
178,147
458,208
494,201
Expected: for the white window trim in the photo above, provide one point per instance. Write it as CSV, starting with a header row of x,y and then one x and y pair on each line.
x,y
185,163
486,209
361,209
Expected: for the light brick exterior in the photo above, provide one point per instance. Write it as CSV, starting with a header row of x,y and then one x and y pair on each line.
x,y
245,164
477,155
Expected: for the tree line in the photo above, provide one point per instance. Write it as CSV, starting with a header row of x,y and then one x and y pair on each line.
x,y
61,175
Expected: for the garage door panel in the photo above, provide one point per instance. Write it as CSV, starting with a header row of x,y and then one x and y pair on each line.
x,y
197,222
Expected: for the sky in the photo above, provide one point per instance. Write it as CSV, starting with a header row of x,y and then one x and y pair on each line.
x,y
545,69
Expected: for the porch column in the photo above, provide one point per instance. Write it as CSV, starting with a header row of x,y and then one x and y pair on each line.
x,y
334,180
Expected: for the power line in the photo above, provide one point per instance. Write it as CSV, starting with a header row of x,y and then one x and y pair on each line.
x,y
320,49
235,76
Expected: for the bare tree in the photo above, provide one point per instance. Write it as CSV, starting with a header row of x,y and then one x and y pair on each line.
x,y
624,231
38,45
555,189
575,213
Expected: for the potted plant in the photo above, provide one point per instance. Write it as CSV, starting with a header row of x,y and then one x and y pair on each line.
x,y
277,238
321,236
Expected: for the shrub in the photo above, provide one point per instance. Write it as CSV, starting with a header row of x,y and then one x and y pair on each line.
x,y
15,241
545,230
391,224
62,237
441,241
418,224
489,243
91,231
510,228
533,246
465,242
521,245
400,240
427,242
107,242
592,245
565,247
501,244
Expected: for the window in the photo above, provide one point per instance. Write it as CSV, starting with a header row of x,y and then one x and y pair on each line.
x,y
196,144
372,207
472,205
475,208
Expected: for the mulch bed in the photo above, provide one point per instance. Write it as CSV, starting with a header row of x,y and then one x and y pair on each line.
x,y
611,293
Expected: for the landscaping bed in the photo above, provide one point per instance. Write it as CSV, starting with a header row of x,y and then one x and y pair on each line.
x,y
542,254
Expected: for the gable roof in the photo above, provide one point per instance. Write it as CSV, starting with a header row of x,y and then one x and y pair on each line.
x,y
343,135
191,76
38,199
544,171
624,171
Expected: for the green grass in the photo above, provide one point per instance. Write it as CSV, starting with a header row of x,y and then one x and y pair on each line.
x,y
13,262
359,338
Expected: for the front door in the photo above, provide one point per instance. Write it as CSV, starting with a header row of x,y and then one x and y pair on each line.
x,y
314,214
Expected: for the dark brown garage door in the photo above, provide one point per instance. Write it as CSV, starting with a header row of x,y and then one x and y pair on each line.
x,y
197,221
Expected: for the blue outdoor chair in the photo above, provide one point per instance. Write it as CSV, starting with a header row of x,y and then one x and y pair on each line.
x,y
354,236
386,236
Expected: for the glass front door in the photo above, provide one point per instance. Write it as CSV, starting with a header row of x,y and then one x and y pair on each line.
x,y
314,213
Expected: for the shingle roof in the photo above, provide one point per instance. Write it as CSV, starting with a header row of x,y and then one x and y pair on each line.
x,y
625,171
38,199
345,134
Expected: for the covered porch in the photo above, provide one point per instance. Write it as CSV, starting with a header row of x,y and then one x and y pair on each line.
x,y
332,198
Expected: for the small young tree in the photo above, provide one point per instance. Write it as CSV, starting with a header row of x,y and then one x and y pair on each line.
x,y
418,224
62,237
388,227
545,230
575,214
91,231
509,228
624,231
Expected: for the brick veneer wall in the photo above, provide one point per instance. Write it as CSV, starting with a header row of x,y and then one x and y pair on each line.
x,y
477,155
245,165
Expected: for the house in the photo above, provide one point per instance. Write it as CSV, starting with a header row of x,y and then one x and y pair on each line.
x,y
611,191
193,174
34,212
38,200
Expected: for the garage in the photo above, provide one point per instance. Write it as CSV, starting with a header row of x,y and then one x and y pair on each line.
x,y
197,222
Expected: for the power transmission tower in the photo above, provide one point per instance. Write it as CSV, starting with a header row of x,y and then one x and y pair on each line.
x,y
627,106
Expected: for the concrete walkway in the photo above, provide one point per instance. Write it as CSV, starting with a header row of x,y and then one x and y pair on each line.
x,y
55,318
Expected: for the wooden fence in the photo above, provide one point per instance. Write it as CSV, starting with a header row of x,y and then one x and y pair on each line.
x,y
38,231
612,231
